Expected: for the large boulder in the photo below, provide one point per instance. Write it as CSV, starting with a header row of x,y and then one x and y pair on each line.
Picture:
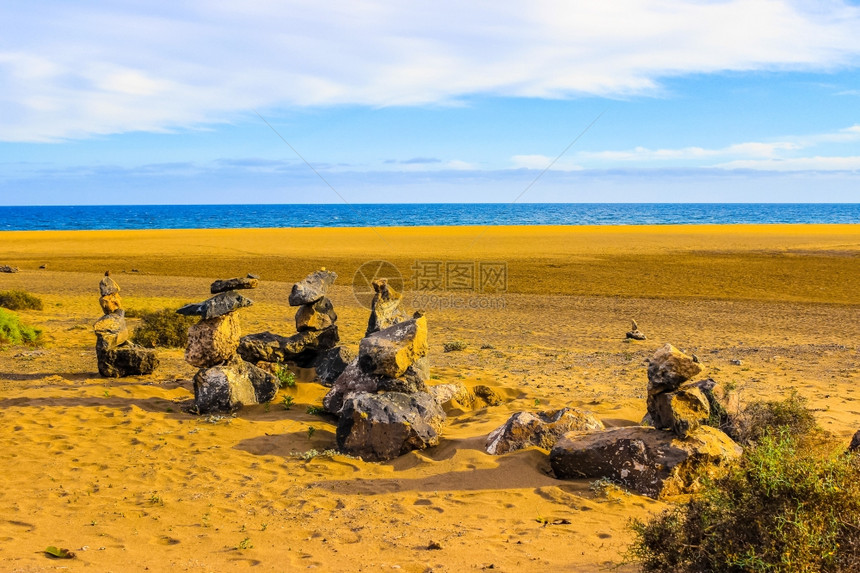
x,y
111,330
225,285
681,411
391,351
354,380
219,305
331,364
126,360
648,461
302,348
318,315
212,341
380,427
384,308
312,288
228,387
541,429
668,368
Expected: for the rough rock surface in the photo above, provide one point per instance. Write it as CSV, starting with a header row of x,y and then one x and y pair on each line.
x,y
111,330
668,368
457,396
8,269
635,333
316,316
218,305
126,360
301,349
354,380
228,387
648,461
681,411
332,363
212,341
380,427
855,442
225,285
108,286
391,351
312,288
541,429
110,302
384,308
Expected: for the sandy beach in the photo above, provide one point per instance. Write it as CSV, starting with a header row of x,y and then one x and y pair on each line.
x,y
116,471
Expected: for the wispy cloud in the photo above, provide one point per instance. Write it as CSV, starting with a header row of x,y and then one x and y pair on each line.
x,y
73,70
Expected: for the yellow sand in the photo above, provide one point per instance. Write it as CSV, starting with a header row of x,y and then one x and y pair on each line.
x,y
117,467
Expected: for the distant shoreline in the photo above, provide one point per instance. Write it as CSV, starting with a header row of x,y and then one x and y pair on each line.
x,y
128,217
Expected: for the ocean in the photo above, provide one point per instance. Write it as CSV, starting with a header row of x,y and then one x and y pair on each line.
x,y
332,215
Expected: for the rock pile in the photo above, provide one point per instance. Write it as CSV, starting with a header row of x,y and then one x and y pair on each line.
x,y
8,269
117,356
384,407
667,458
635,333
384,308
224,382
315,345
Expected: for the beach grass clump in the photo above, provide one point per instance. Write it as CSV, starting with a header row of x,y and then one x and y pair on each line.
x,y
19,300
14,332
163,328
784,507
455,346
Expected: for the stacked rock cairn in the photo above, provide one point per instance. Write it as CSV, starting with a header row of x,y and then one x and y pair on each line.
x,y
635,333
381,399
117,356
315,345
224,382
679,440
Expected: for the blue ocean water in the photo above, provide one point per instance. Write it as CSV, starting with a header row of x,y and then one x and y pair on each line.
x,y
273,216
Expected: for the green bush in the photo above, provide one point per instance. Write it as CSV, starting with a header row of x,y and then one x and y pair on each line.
x,y
783,508
763,417
163,328
12,331
286,379
20,300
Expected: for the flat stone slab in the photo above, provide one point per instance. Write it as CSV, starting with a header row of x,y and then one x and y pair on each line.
x,y
312,288
233,284
218,305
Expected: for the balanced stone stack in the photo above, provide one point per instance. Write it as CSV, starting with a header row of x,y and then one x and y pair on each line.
x,y
384,407
117,356
635,333
224,382
384,308
674,452
315,345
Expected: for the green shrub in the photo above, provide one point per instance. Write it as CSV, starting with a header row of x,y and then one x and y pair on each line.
x,y
163,328
20,300
455,345
286,379
763,417
783,508
12,331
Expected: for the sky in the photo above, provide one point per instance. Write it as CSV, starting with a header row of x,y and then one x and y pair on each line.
x,y
366,101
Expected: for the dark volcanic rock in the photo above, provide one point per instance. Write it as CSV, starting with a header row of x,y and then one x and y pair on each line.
x,y
218,305
8,269
126,360
391,351
312,288
541,429
331,364
681,411
111,330
646,460
635,333
384,308
230,386
668,368
316,316
380,427
233,284
855,442
302,348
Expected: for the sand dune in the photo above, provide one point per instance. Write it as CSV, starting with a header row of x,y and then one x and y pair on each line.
x,y
116,470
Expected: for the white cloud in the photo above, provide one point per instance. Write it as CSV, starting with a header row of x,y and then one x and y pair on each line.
x,y
816,163
71,70
541,162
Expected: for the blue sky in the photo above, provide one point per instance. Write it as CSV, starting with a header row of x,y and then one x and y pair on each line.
x,y
143,102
